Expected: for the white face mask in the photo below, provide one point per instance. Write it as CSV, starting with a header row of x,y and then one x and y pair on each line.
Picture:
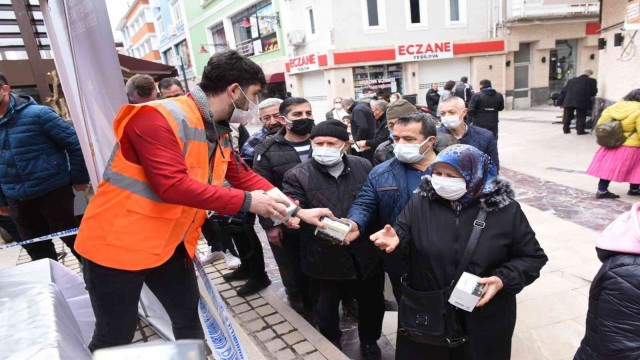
x,y
451,121
448,187
327,156
392,100
337,106
410,153
243,117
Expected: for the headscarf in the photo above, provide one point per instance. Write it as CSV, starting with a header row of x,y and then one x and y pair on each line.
x,y
476,168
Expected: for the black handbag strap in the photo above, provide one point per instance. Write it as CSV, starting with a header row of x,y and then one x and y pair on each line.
x,y
478,225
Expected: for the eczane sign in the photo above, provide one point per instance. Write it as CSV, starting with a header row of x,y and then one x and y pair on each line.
x,y
424,51
304,63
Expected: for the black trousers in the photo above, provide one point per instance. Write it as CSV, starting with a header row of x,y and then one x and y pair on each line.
x,y
115,293
493,127
217,238
44,215
7,223
568,115
248,244
370,298
396,286
296,282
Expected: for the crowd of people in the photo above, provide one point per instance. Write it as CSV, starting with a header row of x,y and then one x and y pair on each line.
x,y
419,190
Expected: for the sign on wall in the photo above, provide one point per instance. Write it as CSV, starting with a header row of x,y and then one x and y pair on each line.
x,y
304,63
633,15
424,51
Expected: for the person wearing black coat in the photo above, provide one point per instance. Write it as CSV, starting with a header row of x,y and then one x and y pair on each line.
x,y
433,231
613,317
484,107
378,107
363,124
579,99
332,179
433,98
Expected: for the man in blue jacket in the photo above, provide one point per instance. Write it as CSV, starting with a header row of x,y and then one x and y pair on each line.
x,y
40,162
390,185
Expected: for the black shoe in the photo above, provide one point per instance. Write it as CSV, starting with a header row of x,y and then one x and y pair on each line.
x,y
61,255
567,132
253,286
633,192
296,303
582,133
371,351
237,274
606,195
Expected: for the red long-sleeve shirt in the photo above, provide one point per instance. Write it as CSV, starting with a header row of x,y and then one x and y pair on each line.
x,y
149,141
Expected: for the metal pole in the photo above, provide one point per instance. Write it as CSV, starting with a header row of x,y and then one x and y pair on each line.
x,y
184,74
31,46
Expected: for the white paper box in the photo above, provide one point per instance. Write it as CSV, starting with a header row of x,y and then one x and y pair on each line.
x,y
467,292
276,193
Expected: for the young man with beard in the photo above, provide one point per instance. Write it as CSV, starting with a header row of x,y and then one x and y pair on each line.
x,y
330,179
142,226
273,158
270,117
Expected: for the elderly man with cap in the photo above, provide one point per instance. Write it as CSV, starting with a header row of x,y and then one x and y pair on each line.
x,y
329,179
384,151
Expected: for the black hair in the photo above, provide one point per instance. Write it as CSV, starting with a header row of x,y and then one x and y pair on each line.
x,y
634,95
464,79
288,102
485,83
3,80
427,120
449,85
169,82
228,67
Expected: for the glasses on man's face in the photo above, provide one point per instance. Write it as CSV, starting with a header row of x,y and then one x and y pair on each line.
x,y
269,117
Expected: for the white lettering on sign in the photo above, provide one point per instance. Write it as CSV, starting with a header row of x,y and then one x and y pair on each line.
x,y
424,51
304,63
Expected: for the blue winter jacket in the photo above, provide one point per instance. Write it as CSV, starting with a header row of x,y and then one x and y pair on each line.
x,y
481,139
382,198
40,151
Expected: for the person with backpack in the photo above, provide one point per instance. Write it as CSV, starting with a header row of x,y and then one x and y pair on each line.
x,y
618,163
463,90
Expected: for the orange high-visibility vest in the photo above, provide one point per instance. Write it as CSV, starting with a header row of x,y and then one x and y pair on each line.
x,y
126,225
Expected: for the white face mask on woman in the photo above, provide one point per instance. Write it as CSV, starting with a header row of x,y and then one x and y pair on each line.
x,y
410,153
449,188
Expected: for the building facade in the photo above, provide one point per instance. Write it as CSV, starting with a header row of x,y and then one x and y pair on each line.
x,y
619,68
139,32
170,24
252,27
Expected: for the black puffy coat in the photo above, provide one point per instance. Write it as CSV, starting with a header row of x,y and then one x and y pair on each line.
x,y
484,107
433,98
314,187
580,92
273,157
613,318
434,237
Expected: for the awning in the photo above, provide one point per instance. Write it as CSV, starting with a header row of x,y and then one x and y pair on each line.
x,y
275,77
131,66
18,72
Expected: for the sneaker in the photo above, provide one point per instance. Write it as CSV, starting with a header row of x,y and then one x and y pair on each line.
x,y
236,275
212,257
231,261
633,192
371,351
253,286
606,195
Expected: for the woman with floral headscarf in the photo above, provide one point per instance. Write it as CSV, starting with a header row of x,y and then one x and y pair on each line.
x,y
433,232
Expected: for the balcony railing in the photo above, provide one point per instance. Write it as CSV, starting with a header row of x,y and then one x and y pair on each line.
x,y
523,9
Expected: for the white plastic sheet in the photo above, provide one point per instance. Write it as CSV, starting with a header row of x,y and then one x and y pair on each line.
x,y
45,313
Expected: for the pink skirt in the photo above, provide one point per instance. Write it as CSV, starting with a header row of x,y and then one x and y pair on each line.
x,y
621,164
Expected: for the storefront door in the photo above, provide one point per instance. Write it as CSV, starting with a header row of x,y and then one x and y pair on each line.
x,y
522,59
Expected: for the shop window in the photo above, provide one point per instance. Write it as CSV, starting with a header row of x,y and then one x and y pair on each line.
x,y
383,79
456,13
374,16
219,37
562,63
255,30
